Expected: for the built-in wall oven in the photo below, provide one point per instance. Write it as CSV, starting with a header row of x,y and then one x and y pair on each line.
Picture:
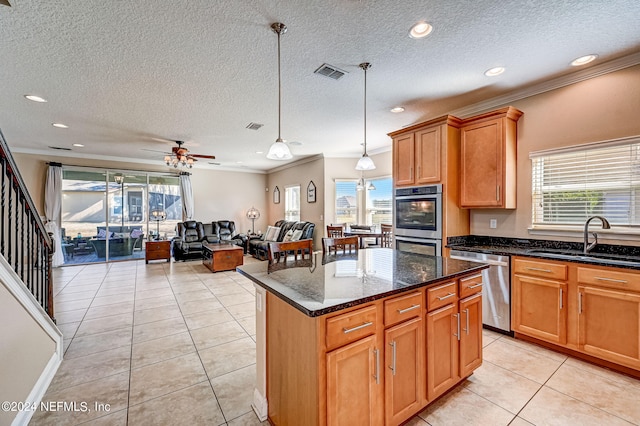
x,y
418,219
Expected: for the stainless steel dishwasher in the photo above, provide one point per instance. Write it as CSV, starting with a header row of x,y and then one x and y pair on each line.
x,y
496,289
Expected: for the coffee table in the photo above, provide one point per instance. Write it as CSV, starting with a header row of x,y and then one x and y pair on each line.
x,y
221,256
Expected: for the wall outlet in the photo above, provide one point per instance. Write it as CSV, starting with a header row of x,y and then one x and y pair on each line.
x,y
493,223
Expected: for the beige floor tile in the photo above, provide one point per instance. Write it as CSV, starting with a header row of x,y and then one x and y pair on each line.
x,y
113,299
94,343
235,391
521,361
236,299
225,289
195,405
108,310
207,318
119,418
463,407
228,357
249,324
71,305
156,302
187,286
157,329
69,329
519,421
415,421
537,349
161,349
617,397
75,371
489,336
70,316
153,292
155,284
90,400
195,306
201,294
154,380
217,334
553,408
108,290
601,371
249,419
502,387
68,289
155,314
70,296
242,310
100,325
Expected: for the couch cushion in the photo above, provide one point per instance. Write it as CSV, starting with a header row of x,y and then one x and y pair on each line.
x,y
284,228
226,229
297,234
272,233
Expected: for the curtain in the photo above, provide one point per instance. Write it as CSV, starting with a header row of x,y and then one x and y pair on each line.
x,y
186,192
52,210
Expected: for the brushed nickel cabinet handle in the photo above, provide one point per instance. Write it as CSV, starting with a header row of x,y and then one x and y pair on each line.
x,y
447,296
410,308
611,280
466,311
498,193
458,326
579,303
349,330
376,353
538,269
561,298
393,357
475,286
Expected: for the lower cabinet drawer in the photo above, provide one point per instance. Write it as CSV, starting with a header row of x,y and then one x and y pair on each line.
x,y
349,327
540,268
402,308
609,278
442,295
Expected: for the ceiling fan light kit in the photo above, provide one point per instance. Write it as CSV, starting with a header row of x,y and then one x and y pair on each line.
x,y
365,162
279,150
180,157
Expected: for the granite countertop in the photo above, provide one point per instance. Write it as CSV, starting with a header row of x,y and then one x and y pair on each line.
x,y
618,256
324,285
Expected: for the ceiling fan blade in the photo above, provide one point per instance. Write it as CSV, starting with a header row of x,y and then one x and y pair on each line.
x,y
5,2
152,150
210,157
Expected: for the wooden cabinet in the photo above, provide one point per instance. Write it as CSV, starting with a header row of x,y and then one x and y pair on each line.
x,y
158,250
354,390
454,334
586,308
609,315
488,160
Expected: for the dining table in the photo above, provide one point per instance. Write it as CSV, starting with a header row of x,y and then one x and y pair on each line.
x,y
362,234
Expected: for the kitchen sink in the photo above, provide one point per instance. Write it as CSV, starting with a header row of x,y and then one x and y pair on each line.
x,y
604,258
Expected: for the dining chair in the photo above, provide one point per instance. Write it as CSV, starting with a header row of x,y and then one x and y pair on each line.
x,y
346,244
387,235
281,250
335,231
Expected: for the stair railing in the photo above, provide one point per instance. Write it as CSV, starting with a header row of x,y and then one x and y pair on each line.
x,y
24,241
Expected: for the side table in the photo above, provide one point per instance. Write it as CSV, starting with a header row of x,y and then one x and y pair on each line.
x,y
158,250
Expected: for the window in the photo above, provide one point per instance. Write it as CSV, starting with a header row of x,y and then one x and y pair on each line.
x,y
572,184
346,201
379,201
292,202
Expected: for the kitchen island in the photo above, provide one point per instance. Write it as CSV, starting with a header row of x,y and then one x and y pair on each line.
x,y
367,339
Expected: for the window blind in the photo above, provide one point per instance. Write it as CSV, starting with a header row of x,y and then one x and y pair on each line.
x,y
571,185
346,201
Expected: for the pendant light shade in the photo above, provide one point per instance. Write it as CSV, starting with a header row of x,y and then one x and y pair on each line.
x,y
365,163
279,150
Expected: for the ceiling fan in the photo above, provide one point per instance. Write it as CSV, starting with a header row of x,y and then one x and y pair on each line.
x,y
180,156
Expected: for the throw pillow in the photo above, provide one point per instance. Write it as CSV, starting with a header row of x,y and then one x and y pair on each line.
x,y
296,235
102,234
272,233
288,236
136,233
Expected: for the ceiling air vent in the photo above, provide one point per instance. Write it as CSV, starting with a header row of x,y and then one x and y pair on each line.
x,y
254,126
330,71
60,148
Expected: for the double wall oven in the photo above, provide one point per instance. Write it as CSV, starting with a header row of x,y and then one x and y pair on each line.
x,y
418,219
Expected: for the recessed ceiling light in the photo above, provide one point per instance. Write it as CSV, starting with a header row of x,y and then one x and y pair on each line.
x,y
397,109
60,125
79,145
494,71
420,30
259,152
583,60
35,98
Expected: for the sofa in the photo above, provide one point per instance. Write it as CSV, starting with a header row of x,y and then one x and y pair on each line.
x,y
117,246
190,236
259,247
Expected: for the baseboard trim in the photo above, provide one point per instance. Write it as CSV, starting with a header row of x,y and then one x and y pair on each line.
x,y
260,405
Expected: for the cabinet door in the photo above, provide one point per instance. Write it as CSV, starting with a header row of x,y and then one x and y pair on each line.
x,y
482,165
609,325
403,160
470,334
540,308
354,384
404,370
442,350
428,152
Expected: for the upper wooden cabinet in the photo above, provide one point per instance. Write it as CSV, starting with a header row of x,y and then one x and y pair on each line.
x,y
420,151
488,160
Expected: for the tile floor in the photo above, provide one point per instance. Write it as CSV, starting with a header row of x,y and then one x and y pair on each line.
x,y
172,343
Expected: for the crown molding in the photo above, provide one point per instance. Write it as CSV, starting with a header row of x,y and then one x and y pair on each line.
x,y
546,86
296,163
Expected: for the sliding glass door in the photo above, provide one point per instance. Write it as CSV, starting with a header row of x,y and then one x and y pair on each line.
x,y
109,215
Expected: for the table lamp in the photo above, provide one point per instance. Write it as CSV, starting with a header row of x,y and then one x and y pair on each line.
x,y
253,214
158,215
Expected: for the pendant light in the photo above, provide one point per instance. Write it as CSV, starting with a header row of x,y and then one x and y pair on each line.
x,y
279,150
365,163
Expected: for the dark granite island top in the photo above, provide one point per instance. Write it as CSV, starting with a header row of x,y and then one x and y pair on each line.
x,y
322,286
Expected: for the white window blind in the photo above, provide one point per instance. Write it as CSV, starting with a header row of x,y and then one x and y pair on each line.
x,y
292,203
599,179
346,201
379,201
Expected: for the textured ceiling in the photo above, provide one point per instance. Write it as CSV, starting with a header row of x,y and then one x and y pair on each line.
x,y
129,75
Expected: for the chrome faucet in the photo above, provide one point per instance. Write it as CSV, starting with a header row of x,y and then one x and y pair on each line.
x,y
590,246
